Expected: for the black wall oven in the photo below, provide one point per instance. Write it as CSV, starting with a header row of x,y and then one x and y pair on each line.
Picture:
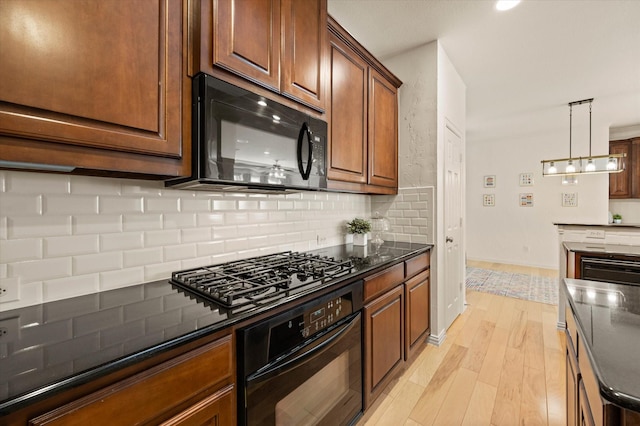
x,y
304,366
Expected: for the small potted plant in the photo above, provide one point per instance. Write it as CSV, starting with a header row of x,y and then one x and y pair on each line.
x,y
617,218
359,228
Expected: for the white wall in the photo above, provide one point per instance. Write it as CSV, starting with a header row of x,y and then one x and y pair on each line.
x,y
63,236
432,94
508,233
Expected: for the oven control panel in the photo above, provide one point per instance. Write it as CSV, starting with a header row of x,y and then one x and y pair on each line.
x,y
322,316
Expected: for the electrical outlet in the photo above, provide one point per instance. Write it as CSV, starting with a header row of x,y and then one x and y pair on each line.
x,y
321,240
9,329
596,234
9,289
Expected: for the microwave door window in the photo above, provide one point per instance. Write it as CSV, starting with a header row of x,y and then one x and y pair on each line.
x,y
258,156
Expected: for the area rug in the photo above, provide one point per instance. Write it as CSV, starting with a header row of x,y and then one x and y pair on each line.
x,y
521,286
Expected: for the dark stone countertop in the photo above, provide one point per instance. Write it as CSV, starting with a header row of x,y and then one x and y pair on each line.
x,y
604,225
613,249
52,347
608,319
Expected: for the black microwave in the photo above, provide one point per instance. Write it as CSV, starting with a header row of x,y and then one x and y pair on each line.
x,y
243,141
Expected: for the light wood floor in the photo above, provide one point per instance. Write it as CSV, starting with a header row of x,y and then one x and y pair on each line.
x,y
502,363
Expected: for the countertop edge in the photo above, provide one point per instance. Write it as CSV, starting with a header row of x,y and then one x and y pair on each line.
x,y
610,394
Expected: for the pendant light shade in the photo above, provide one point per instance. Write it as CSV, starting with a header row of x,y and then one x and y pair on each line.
x,y
610,163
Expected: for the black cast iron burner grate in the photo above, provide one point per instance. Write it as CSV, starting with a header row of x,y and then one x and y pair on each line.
x,y
260,280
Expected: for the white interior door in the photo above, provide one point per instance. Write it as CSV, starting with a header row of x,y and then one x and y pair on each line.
x,y
454,255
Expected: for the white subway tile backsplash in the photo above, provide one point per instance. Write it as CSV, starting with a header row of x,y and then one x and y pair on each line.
x,y
210,219
142,222
121,278
23,249
224,205
161,238
121,241
110,205
37,183
195,235
160,271
93,263
195,205
179,252
38,270
169,205
38,226
97,224
224,232
142,257
210,248
70,205
86,185
70,246
21,204
127,231
69,287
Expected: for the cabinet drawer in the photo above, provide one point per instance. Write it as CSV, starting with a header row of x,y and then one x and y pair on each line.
x,y
383,281
416,264
153,394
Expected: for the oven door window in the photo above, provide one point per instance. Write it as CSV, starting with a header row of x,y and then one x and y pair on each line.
x,y
319,385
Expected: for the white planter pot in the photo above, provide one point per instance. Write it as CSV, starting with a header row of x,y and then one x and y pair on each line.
x,y
359,239
614,221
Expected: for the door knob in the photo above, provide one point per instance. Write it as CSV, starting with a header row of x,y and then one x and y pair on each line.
x,y
449,240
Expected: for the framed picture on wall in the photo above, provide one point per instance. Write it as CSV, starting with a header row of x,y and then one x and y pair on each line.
x,y
526,200
490,181
488,200
526,179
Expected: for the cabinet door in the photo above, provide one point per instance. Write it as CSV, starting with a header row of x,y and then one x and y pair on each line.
x,y
417,312
246,39
634,168
383,131
585,417
348,126
620,183
304,41
384,341
105,76
217,409
572,385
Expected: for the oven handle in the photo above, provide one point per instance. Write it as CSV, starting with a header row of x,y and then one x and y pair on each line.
x,y
299,355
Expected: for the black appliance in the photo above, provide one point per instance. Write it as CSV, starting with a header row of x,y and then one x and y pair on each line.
x,y
261,281
610,270
245,142
304,366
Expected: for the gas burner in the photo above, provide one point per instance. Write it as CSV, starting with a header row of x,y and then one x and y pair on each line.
x,y
262,280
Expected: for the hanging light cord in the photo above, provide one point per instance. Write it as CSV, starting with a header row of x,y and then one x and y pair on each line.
x,y
570,115
590,127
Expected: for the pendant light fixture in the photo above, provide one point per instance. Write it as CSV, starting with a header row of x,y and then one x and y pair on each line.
x,y
610,163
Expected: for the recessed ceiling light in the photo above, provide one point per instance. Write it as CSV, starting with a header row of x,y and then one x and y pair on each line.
x,y
506,4
262,103
275,117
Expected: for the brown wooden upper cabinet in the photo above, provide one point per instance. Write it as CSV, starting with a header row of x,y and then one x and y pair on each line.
x,y
363,146
626,184
95,85
277,44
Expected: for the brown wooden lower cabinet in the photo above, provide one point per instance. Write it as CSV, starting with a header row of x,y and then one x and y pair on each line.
x,y
573,378
417,311
383,341
179,391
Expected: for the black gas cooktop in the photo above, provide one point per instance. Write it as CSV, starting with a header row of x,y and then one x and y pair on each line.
x,y
262,280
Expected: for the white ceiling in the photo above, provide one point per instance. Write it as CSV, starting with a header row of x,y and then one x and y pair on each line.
x,y
531,60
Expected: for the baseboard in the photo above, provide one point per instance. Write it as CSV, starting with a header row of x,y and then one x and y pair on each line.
x,y
437,340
